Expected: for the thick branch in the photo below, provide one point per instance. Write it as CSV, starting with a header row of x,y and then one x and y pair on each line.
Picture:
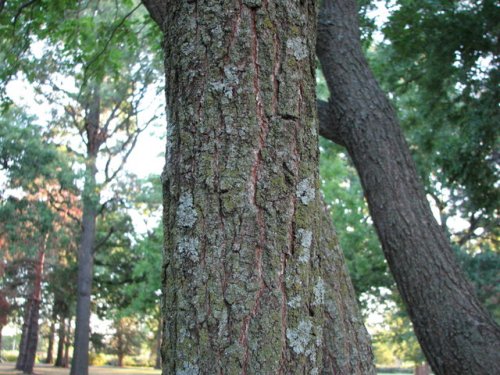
x,y
457,335
328,127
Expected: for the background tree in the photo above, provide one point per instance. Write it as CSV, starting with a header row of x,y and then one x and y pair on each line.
x,y
398,205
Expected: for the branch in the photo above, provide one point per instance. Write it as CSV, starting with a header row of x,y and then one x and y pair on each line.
x,y
20,10
104,240
328,127
108,41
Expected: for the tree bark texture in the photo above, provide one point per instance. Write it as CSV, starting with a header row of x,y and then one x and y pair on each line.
x,y
457,335
80,361
29,336
249,286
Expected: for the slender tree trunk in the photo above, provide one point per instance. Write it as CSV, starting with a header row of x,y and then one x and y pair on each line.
x,y
158,344
60,342
1,329
120,359
422,369
29,339
457,335
248,288
80,361
50,348
67,344
21,356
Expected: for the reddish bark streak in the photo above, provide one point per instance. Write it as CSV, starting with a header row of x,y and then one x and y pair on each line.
x,y
264,128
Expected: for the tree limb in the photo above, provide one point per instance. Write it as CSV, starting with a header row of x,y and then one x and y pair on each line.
x,y
328,127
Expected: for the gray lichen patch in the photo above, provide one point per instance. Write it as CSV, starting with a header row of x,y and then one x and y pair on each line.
x,y
188,248
188,369
253,3
294,302
319,292
300,337
298,47
226,85
305,191
186,213
305,238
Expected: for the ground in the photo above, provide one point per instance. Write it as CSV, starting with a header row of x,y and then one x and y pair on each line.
x,y
42,369
8,369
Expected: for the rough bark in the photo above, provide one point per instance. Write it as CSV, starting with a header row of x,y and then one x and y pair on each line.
x,y
29,336
347,347
248,288
457,335
80,361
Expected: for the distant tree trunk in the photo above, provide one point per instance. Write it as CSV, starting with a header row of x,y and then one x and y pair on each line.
x,y
251,284
1,329
158,344
457,335
422,369
86,250
50,347
67,344
60,343
29,337
120,344
120,359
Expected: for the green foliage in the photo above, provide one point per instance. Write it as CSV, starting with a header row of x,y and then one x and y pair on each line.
x,y
26,154
95,36
482,269
441,66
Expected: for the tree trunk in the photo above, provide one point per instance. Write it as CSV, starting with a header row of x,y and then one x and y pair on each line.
x,y
120,359
80,362
60,343
158,344
422,369
29,338
247,286
50,348
347,346
1,329
67,344
457,335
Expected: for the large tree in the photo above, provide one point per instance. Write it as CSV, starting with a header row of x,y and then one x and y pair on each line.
x,y
253,279
456,333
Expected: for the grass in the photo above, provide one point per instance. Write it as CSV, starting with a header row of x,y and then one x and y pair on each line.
x,y
42,369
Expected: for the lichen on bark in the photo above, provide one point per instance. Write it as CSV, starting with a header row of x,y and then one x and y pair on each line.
x,y
243,254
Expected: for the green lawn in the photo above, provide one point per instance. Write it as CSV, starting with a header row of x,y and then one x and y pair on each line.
x,y
8,369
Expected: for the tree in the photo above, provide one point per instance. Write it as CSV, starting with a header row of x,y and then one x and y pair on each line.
x,y
126,339
29,224
359,117
254,282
